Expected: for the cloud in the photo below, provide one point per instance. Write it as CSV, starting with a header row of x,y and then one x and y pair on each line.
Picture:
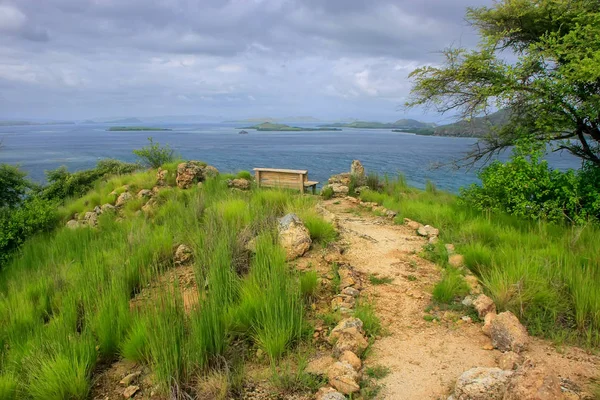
x,y
88,58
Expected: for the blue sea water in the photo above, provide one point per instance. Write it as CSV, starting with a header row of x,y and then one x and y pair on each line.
x,y
44,147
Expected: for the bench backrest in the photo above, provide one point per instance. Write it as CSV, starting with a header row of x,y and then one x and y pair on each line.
x,y
283,178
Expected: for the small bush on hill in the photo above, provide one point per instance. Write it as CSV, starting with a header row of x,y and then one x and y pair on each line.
x,y
13,185
244,175
327,192
154,155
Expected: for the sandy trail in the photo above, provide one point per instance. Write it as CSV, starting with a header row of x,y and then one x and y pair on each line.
x,y
426,358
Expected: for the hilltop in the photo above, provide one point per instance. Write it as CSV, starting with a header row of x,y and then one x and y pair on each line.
x,y
399,124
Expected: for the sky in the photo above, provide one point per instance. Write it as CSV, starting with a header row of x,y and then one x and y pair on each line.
x,y
330,59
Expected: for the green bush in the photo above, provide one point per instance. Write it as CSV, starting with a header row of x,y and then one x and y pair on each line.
x,y
244,175
13,186
154,155
527,187
327,192
321,231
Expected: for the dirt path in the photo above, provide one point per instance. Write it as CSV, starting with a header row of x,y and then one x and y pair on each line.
x,y
425,358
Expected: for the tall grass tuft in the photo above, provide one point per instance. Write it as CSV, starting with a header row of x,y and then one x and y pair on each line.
x,y
450,287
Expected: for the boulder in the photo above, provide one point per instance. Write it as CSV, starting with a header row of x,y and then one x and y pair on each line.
x,y
357,169
482,384
428,231
507,333
343,377
509,360
293,236
412,224
106,208
350,339
123,198
456,260
340,179
338,189
533,383
240,183
183,255
352,359
73,224
484,305
144,193
90,218
189,173
210,171
161,177
345,324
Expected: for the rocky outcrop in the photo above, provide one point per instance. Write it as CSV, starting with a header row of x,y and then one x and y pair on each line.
x,y
357,169
189,173
239,183
161,177
210,172
507,333
338,189
482,384
293,236
340,179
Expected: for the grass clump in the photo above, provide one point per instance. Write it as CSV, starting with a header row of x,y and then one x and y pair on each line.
x,y
244,175
365,311
451,287
309,283
321,231
327,192
376,280
377,372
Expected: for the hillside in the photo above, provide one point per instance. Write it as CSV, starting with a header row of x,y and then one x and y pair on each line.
x,y
400,124
477,127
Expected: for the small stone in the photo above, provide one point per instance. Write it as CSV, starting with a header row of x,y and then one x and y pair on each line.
x,y
352,359
466,319
473,284
456,260
107,207
411,224
329,393
129,379
467,301
91,218
130,391
428,231
433,240
320,365
350,291
293,236
345,324
484,305
509,360
350,339
144,193
183,255
487,323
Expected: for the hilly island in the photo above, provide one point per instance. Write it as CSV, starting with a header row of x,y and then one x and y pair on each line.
x,y
272,127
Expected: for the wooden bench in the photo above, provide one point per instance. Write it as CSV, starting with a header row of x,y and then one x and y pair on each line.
x,y
284,178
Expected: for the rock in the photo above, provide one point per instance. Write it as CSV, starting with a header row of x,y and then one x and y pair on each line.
x,y
338,189
329,393
473,283
507,333
487,323
350,291
361,189
293,236
350,339
482,384
433,240
357,169
345,324
210,171
123,198
343,377
107,208
327,215
342,301
509,360
467,301
456,260
97,210
533,383
149,206
73,224
189,173
183,255
144,193
130,378
340,179
428,231
240,183
412,224
390,214
484,305
161,177
91,218
320,365
346,278
130,391
352,359
466,318
449,248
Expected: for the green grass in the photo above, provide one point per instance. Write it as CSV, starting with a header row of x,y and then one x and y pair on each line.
x,y
547,274
451,287
64,302
383,280
309,283
321,231
327,193
365,311
244,175
377,372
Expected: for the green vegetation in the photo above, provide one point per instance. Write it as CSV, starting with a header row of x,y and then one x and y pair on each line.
x,y
154,155
551,89
135,128
547,273
400,124
66,297
327,192
365,311
377,372
321,231
375,280
451,287
273,127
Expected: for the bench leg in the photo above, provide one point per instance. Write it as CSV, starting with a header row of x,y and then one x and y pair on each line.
x,y
314,189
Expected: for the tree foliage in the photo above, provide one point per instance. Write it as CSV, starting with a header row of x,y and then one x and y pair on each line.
x,y
154,155
13,186
539,59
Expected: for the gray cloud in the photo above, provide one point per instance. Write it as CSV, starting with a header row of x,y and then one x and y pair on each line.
x,y
334,58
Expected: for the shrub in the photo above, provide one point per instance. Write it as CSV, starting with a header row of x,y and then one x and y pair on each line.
x,y
327,192
373,182
14,186
244,175
154,155
450,287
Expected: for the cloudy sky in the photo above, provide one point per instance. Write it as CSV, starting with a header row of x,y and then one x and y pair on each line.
x,y
78,59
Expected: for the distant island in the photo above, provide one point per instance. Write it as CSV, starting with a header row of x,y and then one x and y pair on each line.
x,y
29,123
135,128
400,124
268,126
304,119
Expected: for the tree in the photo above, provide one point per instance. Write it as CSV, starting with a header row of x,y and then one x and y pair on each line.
x,y
154,155
538,59
13,186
